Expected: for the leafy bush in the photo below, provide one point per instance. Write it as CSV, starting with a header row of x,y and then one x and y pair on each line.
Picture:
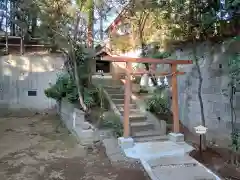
x,y
160,55
88,98
235,137
65,87
71,91
158,104
59,89
112,121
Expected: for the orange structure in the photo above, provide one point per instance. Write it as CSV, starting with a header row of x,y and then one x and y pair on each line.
x,y
173,64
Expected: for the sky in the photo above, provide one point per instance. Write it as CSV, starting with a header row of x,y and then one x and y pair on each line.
x,y
110,17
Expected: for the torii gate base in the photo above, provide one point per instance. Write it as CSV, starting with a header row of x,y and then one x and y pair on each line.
x,y
129,72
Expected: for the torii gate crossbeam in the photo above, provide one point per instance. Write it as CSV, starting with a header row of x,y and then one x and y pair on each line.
x,y
173,64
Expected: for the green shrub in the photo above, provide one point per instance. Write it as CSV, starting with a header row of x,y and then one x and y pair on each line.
x,y
65,87
158,104
160,55
112,121
235,137
59,89
88,98
71,91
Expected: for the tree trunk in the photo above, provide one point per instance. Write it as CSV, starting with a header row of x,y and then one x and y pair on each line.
x,y
22,42
6,29
200,78
76,75
77,81
34,25
101,23
13,27
90,22
90,36
1,23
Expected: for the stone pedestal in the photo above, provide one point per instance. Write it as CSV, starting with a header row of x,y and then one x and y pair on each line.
x,y
125,143
163,127
176,137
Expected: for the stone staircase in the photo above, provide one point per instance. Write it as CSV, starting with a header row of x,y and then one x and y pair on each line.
x,y
142,129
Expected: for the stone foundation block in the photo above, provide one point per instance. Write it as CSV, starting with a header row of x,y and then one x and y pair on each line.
x,y
86,136
125,143
176,137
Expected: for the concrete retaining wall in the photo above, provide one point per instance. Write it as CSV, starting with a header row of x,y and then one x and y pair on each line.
x,y
65,111
23,80
213,61
74,120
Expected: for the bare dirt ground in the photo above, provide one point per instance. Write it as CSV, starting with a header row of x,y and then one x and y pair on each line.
x,y
32,149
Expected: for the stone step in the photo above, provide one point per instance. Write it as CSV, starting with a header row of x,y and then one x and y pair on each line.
x,y
119,89
117,96
148,133
141,126
151,138
132,111
113,87
137,117
111,92
132,106
118,101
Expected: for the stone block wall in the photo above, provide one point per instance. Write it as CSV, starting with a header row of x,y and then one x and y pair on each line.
x,y
65,112
74,120
213,61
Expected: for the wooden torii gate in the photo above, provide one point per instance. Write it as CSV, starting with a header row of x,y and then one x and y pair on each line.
x,y
174,72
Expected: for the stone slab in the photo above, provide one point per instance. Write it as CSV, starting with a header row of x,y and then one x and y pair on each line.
x,y
86,137
111,146
183,173
114,152
187,148
157,149
177,167
104,134
151,150
170,160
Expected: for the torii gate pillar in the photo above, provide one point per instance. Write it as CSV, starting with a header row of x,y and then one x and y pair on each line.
x,y
175,111
127,98
129,72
